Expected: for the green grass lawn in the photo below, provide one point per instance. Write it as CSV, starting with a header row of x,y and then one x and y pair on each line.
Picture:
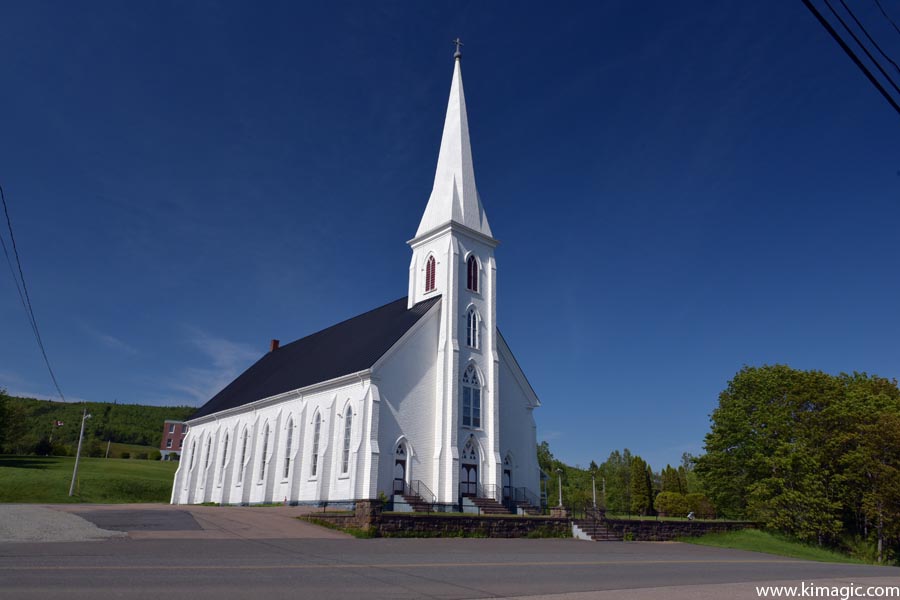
x,y
46,480
770,543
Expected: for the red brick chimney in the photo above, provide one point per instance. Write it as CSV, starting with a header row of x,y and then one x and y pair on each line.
x,y
273,346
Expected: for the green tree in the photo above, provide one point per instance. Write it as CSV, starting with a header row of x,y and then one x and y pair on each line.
x,y
873,467
615,477
673,480
641,487
808,453
16,441
545,457
4,420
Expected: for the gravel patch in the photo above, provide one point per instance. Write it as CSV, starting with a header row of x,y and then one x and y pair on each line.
x,y
26,523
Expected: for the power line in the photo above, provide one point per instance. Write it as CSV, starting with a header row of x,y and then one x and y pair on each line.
x,y
890,20
861,45
863,29
23,294
852,55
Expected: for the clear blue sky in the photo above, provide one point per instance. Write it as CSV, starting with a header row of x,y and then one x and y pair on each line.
x,y
680,189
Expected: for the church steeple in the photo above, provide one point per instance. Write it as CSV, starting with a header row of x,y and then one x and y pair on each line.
x,y
454,197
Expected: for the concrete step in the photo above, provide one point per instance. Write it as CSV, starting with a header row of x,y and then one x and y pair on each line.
x,y
489,506
597,531
417,504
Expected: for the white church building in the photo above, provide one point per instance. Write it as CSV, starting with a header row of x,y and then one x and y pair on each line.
x,y
421,398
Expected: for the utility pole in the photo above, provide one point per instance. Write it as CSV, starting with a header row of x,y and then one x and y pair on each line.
x,y
84,418
594,488
107,447
559,473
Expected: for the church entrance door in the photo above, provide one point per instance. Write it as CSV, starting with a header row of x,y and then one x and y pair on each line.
x,y
468,481
400,469
507,486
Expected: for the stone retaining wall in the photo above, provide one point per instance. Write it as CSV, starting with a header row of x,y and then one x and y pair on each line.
x,y
437,525
368,515
664,531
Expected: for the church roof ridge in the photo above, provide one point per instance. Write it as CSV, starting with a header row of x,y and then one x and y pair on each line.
x,y
349,346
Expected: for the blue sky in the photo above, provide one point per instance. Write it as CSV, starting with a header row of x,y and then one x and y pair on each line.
x,y
679,190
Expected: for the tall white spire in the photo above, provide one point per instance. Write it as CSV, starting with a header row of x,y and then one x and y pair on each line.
x,y
454,196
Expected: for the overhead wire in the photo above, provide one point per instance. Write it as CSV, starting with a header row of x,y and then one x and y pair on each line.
x,y
861,45
23,293
890,20
869,37
834,34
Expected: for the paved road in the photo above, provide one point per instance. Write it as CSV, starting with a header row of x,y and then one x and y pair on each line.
x,y
293,565
407,568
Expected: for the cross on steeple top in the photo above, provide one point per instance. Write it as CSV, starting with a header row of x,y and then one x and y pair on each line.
x,y
459,44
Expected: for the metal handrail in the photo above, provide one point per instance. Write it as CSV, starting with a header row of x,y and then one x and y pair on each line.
x,y
488,490
422,491
523,494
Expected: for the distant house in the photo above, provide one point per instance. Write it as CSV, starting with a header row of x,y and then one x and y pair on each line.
x,y
172,439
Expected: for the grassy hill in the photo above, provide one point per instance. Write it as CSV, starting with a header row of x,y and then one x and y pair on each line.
x,y
46,480
30,420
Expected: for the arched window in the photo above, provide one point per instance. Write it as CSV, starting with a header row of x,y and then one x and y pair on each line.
x,y
429,274
472,333
348,425
287,449
208,449
243,455
471,401
472,273
193,451
265,449
224,459
315,453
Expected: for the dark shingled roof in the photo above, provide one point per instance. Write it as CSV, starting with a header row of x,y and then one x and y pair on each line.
x,y
351,346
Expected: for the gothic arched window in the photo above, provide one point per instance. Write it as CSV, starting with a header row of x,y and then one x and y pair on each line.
x,y
287,449
429,274
224,459
471,400
265,449
208,450
243,455
317,427
345,456
193,450
472,329
472,273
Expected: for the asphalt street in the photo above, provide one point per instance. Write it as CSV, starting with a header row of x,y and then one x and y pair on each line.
x,y
385,568
231,552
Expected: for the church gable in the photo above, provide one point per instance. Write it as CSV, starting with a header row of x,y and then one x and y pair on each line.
x,y
350,346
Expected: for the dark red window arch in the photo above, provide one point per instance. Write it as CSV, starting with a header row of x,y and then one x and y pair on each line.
x,y
472,274
429,274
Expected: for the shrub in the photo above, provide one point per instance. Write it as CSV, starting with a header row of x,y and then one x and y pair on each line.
x,y
156,455
126,455
43,447
141,456
701,506
672,504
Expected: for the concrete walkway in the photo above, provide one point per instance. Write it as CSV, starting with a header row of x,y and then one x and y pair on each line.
x,y
165,521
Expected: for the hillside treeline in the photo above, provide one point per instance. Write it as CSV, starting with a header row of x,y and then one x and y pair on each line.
x,y
814,455
28,426
626,485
